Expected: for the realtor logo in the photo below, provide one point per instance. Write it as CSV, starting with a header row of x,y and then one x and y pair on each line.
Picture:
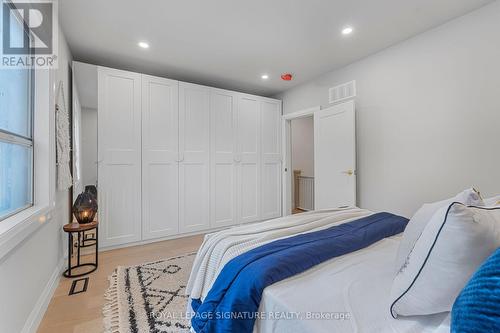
x,y
29,31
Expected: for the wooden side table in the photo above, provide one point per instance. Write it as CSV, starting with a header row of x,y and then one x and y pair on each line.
x,y
75,227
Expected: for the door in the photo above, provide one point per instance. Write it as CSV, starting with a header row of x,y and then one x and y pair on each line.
x,y
223,149
248,159
271,159
119,151
160,148
335,157
194,152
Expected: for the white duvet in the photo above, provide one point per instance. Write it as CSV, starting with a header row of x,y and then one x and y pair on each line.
x,y
219,248
355,286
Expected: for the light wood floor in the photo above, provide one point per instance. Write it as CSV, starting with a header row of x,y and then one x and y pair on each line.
x,y
297,211
82,313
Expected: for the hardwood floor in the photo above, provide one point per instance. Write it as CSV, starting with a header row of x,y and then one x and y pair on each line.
x,y
82,313
297,211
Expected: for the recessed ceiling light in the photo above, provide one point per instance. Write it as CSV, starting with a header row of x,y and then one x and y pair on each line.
x,y
347,30
264,76
143,45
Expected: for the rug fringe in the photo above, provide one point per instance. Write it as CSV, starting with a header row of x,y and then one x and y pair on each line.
x,y
111,309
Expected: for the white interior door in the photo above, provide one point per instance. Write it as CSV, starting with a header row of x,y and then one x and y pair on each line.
x,y
271,159
160,148
194,151
223,158
249,166
335,157
119,150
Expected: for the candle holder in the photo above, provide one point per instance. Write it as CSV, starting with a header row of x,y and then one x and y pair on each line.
x,y
85,208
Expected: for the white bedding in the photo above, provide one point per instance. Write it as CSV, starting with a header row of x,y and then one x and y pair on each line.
x,y
356,284
219,248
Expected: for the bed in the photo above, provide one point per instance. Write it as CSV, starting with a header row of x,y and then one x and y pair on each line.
x,y
357,284
347,293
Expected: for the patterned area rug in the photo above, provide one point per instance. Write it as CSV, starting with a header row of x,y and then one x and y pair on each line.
x,y
149,297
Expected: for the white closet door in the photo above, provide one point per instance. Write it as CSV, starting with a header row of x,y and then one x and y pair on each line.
x,y
160,148
194,146
223,149
249,168
119,150
271,159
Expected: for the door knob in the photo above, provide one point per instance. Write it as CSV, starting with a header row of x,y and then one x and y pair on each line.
x,y
348,172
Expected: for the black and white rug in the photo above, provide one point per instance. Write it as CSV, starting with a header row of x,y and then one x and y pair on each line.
x,y
149,297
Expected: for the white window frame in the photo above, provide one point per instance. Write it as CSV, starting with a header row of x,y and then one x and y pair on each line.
x,y
20,140
16,228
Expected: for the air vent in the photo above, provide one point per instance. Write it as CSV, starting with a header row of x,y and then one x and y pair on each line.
x,y
342,92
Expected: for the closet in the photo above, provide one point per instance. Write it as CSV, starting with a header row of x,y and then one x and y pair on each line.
x,y
194,157
177,158
223,164
160,157
119,156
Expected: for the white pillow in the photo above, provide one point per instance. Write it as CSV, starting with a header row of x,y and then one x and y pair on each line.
x,y
451,248
492,202
469,197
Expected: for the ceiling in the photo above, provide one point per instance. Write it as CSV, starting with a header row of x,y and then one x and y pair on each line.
x,y
230,44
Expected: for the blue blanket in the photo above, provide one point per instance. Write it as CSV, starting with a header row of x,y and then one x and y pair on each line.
x,y
233,302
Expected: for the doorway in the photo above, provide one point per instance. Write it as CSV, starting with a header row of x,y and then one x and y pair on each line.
x,y
302,164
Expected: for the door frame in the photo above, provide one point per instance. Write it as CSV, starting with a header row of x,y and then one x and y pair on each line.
x,y
286,193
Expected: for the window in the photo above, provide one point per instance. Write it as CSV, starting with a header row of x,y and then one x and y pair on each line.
x,y
16,137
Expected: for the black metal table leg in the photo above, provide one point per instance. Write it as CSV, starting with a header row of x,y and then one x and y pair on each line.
x,y
78,249
96,245
70,248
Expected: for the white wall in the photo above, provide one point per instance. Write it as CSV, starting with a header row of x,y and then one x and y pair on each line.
x,y
89,146
428,114
302,139
27,271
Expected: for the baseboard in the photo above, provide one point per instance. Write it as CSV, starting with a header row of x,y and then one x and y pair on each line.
x,y
160,239
36,315
178,236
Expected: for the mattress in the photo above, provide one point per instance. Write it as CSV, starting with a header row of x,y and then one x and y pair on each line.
x,y
346,294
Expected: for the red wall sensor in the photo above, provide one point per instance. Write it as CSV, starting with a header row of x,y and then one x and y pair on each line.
x,y
287,77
